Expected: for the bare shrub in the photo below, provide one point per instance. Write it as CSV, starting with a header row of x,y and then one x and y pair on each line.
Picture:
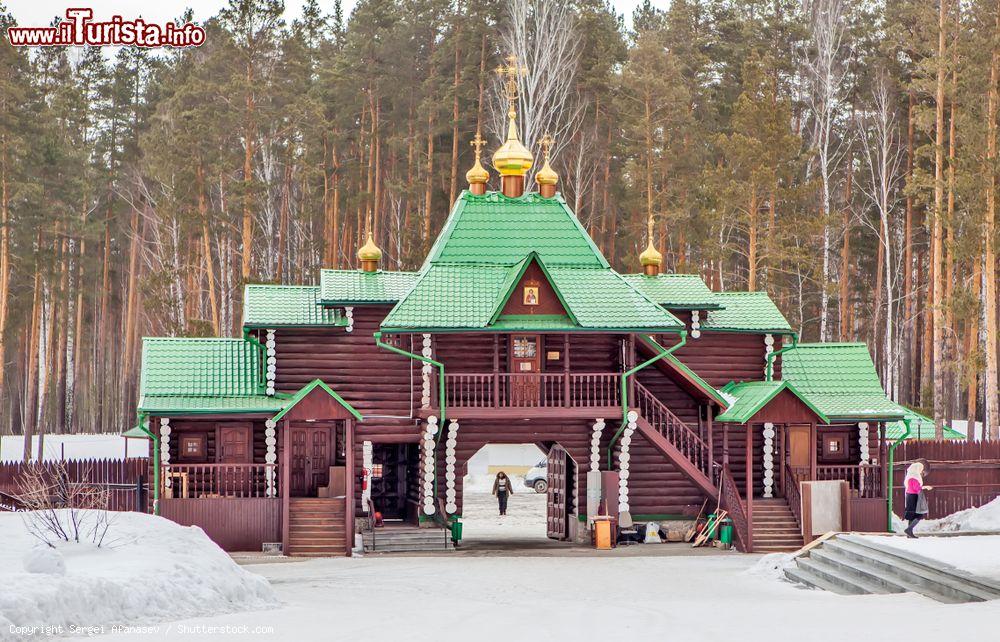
x,y
59,508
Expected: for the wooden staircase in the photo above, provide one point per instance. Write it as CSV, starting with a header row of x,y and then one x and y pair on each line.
x,y
316,527
775,529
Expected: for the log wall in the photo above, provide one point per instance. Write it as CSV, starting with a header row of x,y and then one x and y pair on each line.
x,y
721,357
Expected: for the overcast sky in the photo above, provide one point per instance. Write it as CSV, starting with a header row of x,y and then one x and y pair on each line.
x,y
40,12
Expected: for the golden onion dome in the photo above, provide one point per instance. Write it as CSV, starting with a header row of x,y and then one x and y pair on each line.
x,y
650,256
513,158
546,175
478,174
369,251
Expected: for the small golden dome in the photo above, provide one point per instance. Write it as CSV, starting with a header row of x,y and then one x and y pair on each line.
x,y
546,175
478,174
513,158
650,256
369,251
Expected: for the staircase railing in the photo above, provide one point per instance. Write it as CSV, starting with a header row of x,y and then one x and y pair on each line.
x,y
686,440
790,489
730,501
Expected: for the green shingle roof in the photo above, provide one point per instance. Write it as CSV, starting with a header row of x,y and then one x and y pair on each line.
x,y
839,379
202,375
496,229
275,306
746,312
749,397
356,287
676,291
921,427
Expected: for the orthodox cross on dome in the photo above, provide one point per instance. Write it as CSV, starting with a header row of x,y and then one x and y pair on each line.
x,y
650,259
511,73
546,143
512,159
546,177
477,143
477,176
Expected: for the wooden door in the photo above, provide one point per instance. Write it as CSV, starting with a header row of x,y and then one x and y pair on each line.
x,y
556,509
799,451
309,460
234,445
525,364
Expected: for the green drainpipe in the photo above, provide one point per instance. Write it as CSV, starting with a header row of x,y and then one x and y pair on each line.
x,y
156,461
662,352
262,366
892,459
441,393
771,356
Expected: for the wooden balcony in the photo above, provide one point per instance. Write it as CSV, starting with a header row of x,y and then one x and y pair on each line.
x,y
209,481
531,394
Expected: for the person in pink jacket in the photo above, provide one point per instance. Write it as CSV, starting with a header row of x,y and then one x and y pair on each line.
x,y
916,500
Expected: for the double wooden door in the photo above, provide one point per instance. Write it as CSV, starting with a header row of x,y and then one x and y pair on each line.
x,y
310,459
558,478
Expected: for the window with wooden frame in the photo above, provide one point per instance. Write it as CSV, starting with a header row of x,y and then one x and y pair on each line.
x,y
192,447
835,447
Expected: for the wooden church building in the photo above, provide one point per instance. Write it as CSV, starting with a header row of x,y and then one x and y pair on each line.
x,y
371,391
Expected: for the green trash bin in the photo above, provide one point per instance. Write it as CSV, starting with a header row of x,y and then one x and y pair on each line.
x,y
456,531
726,533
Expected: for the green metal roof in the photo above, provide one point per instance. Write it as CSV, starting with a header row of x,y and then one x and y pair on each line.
x,y
356,287
747,398
192,404
497,229
921,427
676,291
746,312
534,323
275,306
839,379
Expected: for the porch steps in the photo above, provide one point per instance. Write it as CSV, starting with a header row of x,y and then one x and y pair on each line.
x,y
774,527
316,527
407,539
853,565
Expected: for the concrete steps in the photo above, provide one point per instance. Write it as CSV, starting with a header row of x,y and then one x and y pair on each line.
x,y
852,565
407,539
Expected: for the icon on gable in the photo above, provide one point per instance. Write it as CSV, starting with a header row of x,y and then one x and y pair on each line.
x,y
531,294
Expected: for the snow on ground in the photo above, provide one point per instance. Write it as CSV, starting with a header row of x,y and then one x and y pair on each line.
x,y
148,569
481,520
976,554
683,599
984,519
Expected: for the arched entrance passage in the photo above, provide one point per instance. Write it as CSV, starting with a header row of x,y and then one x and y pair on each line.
x,y
565,444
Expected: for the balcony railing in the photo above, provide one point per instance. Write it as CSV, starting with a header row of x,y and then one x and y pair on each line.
x,y
206,481
532,390
864,480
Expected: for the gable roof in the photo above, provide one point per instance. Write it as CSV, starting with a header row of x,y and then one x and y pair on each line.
x,y
750,397
276,306
315,384
357,287
202,375
839,379
746,312
675,291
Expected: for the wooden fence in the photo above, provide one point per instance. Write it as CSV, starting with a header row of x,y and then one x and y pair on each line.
x,y
964,474
125,479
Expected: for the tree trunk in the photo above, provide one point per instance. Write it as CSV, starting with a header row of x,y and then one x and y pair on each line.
x,y
752,241
991,385
249,131
937,300
909,318
453,191
206,245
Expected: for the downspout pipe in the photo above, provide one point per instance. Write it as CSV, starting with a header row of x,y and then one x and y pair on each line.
x,y
892,461
771,356
142,416
262,366
441,394
661,352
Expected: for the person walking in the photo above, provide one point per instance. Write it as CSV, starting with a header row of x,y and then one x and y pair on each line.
x,y
916,500
503,489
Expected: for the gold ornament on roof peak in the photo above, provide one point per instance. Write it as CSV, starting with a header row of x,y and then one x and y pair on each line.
x,y
513,158
369,251
650,256
546,175
478,174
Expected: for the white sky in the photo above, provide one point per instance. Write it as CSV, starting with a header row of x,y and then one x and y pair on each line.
x,y
41,12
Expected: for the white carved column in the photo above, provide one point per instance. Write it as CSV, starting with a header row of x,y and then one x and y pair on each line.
x,y
695,324
349,313
768,459
450,495
425,374
623,461
863,445
165,451
367,465
270,457
272,363
595,445
768,348
429,468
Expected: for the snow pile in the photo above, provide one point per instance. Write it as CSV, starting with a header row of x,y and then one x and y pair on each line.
x,y
772,566
984,519
148,569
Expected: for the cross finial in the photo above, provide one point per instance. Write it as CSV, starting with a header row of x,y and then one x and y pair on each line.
x,y
510,73
649,228
478,143
546,143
